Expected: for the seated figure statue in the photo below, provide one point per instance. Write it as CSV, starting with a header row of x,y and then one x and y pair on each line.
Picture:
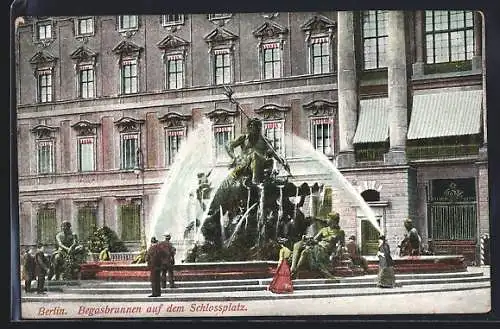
x,y
411,244
315,252
68,255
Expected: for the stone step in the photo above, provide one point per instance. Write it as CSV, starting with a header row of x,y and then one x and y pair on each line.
x,y
203,287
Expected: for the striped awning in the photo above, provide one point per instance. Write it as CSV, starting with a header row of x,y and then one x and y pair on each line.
x,y
373,124
454,113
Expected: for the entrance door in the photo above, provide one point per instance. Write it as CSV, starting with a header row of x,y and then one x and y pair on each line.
x,y
369,237
452,217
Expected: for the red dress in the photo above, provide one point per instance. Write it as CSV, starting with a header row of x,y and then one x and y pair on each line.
x,y
282,280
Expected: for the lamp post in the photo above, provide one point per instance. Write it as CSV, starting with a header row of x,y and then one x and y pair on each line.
x,y
139,170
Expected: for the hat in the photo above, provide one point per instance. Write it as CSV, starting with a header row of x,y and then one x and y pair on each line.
x,y
39,245
167,234
382,237
282,240
333,217
352,237
408,221
153,240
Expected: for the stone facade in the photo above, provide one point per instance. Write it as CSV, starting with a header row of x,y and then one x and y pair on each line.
x,y
400,181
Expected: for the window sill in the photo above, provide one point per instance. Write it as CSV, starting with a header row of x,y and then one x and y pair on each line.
x,y
434,76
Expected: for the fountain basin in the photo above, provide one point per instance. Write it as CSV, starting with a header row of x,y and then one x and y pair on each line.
x,y
124,271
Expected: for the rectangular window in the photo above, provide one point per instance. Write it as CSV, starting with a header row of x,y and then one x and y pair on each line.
x,y
320,55
45,157
222,135
374,39
321,134
449,36
129,22
222,67
174,140
45,86
87,222
175,74
129,146
172,19
219,16
44,31
86,82
85,26
272,60
46,226
275,133
86,154
130,220
129,77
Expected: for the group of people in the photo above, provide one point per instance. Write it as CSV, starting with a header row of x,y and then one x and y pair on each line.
x,y
35,267
160,258
289,261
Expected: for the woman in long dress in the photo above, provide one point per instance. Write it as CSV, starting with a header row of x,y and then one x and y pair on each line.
x,y
282,280
386,277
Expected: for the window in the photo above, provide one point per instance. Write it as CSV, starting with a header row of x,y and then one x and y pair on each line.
x,y
86,78
321,135
129,77
320,55
172,19
175,71
87,221
174,139
219,16
130,220
374,39
45,86
272,60
222,135
85,26
222,66
449,36
86,154
129,146
44,31
128,22
46,226
45,156
275,133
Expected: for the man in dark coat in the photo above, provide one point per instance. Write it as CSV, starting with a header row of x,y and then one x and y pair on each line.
x,y
154,260
168,262
41,268
28,269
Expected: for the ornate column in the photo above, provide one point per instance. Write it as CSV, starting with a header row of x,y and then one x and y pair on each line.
x,y
418,66
397,87
347,88
478,44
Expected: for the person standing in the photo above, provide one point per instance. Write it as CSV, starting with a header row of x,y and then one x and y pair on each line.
x,y
154,261
41,268
168,262
355,254
28,270
386,276
282,280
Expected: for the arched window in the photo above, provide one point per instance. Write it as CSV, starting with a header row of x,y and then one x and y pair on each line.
x,y
371,195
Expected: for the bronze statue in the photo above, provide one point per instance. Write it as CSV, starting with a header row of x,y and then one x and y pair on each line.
x,y
257,154
411,244
316,253
68,256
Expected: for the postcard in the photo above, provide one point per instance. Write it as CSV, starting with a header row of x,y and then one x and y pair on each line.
x,y
252,164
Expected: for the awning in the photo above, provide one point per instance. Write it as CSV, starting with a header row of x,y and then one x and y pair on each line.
x,y
455,113
373,124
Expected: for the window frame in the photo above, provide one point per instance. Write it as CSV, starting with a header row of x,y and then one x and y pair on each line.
x,y
40,229
166,23
79,153
134,161
44,24
51,159
312,42
138,213
322,120
81,68
217,129
219,16
43,72
271,45
377,37
180,134
281,126
93,216
129,62
78,25
218,52
448,32
175,56
121,28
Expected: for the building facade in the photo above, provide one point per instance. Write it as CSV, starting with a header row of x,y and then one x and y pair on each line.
x,y
395,98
